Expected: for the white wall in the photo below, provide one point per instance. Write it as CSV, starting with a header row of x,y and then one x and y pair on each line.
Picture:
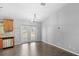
x,y
48,28
68,35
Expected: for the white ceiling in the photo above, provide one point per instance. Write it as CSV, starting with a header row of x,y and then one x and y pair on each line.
x,y
27,10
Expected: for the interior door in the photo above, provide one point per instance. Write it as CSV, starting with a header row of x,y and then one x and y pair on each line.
x,y
28,33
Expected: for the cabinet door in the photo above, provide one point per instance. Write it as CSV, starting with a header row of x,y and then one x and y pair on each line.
x,y
1,28
8,25
1,44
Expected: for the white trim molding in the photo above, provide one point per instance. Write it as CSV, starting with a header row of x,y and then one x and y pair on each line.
x,y
61,48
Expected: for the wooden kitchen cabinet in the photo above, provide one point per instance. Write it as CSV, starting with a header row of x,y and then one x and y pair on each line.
x,y
6,42
8,25
1,43
6,33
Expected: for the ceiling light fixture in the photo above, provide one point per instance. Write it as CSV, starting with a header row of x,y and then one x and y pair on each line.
x,y
35,19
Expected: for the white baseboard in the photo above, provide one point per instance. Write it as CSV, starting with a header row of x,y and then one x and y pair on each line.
x,y
61,48
26,42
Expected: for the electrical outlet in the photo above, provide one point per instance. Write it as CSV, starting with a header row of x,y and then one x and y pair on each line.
x,y
75,49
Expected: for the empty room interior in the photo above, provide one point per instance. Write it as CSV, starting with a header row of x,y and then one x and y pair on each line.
x,y
39,29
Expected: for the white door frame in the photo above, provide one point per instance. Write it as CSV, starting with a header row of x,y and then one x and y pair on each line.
x,y
29,34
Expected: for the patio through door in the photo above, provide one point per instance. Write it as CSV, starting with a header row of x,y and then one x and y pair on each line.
x,y
28,33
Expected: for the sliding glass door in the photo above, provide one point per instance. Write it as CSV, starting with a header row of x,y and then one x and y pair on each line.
x,y
28,33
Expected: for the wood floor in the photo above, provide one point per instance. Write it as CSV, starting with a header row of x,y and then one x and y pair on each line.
x,y
34,49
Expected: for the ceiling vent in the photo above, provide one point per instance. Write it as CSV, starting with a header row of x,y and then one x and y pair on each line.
x,y
43,4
